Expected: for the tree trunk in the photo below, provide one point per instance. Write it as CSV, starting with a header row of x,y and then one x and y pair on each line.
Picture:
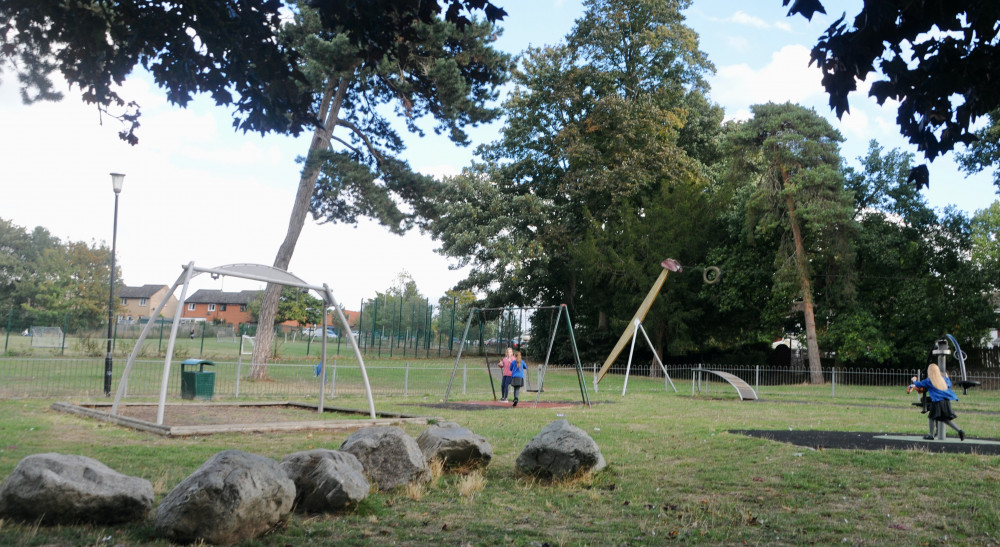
x,y
335,90
815,369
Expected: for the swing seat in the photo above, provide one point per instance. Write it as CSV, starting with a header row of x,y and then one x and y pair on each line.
x,y
966,384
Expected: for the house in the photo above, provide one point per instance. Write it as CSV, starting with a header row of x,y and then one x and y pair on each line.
x,y
219,306
138,303
331,320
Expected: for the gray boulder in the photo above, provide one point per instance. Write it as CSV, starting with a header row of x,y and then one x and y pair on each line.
x,y
232,497
455,445
390,457
325,480
560,450
65,489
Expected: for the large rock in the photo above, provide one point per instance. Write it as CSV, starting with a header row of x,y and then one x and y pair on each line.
x,y
325,480
455,445
390,457
65,488
560,450
234,496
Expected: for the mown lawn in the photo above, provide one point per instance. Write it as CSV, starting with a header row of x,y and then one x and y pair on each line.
x,y
674,475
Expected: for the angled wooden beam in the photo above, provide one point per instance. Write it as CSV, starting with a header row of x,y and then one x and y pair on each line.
x,y
669,265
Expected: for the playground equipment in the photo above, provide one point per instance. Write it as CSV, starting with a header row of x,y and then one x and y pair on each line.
x,y
942,351
637,328
744,389
710,275
669,265
561,310
257,272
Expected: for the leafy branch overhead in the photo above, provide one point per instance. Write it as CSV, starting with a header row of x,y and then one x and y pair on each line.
x,y
939,60
230,50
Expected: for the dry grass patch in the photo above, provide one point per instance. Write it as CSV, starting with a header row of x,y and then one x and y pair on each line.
x,y
436,467
415,491
470,485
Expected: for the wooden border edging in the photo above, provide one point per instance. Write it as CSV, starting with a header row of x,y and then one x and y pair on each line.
x,y
387,418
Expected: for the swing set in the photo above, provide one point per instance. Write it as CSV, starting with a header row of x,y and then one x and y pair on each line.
x,y
556,316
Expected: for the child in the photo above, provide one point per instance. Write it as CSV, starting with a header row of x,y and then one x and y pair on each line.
x,y
939,391
517,369
505,368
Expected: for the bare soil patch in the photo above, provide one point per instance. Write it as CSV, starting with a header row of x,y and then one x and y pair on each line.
x,y
195,414
207,418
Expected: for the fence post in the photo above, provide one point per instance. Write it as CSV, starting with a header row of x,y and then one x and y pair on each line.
x,y
756,379
406,380
333,376
833,382
465,370
451,341
201,352
10,322
62,347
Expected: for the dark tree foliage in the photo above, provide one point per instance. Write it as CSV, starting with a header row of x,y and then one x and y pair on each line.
x,y
229,49
386,27
940,59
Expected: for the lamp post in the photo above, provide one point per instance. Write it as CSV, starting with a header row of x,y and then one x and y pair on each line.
x,y
117,180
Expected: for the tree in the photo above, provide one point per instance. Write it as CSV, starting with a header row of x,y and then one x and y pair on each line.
x,y
352,168
568,205
939,59
294,304
984,152
51,282
793,157
986,243
232,50
69,283
914,277
20,253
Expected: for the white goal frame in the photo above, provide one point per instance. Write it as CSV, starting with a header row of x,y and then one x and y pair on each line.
x,y
47,337
257,272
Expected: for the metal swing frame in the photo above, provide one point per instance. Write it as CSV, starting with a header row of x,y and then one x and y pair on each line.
x,y
563,312
256,272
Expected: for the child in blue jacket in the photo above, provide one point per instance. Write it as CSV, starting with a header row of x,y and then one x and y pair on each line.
x,y
941,395
517,369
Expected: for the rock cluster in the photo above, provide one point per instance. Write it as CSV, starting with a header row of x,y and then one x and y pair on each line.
x,y
237,496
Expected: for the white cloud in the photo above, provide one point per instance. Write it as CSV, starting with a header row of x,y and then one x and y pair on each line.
x,y
855,125
742,18
787,77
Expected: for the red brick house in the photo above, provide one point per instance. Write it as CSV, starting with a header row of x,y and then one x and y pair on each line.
x,y
219,306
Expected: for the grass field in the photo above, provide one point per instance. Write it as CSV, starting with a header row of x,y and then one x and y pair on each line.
x,y
675,475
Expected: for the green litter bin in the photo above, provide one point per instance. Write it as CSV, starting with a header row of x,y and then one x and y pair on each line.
x,y
197,384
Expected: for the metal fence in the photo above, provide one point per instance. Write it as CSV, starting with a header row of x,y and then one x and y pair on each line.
x,y
471,379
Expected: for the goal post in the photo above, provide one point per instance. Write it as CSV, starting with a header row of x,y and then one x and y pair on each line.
x,y
47,337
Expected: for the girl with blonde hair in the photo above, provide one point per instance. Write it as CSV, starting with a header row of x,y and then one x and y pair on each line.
x,y
939,391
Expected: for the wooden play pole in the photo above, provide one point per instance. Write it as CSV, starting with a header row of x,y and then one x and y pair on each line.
x,y
669,265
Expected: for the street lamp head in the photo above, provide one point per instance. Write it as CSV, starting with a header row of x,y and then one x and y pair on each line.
x,y
117,180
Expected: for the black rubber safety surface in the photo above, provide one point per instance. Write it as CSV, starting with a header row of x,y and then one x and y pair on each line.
x,y
861,440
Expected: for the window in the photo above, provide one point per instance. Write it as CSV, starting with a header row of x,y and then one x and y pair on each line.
x,y
211,307
222,307
142,301
124,301
243,307
191,306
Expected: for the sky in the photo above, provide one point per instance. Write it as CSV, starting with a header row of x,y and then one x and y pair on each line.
x,y
196,190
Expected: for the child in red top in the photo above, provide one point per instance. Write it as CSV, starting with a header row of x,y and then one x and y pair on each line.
x,y
505,367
